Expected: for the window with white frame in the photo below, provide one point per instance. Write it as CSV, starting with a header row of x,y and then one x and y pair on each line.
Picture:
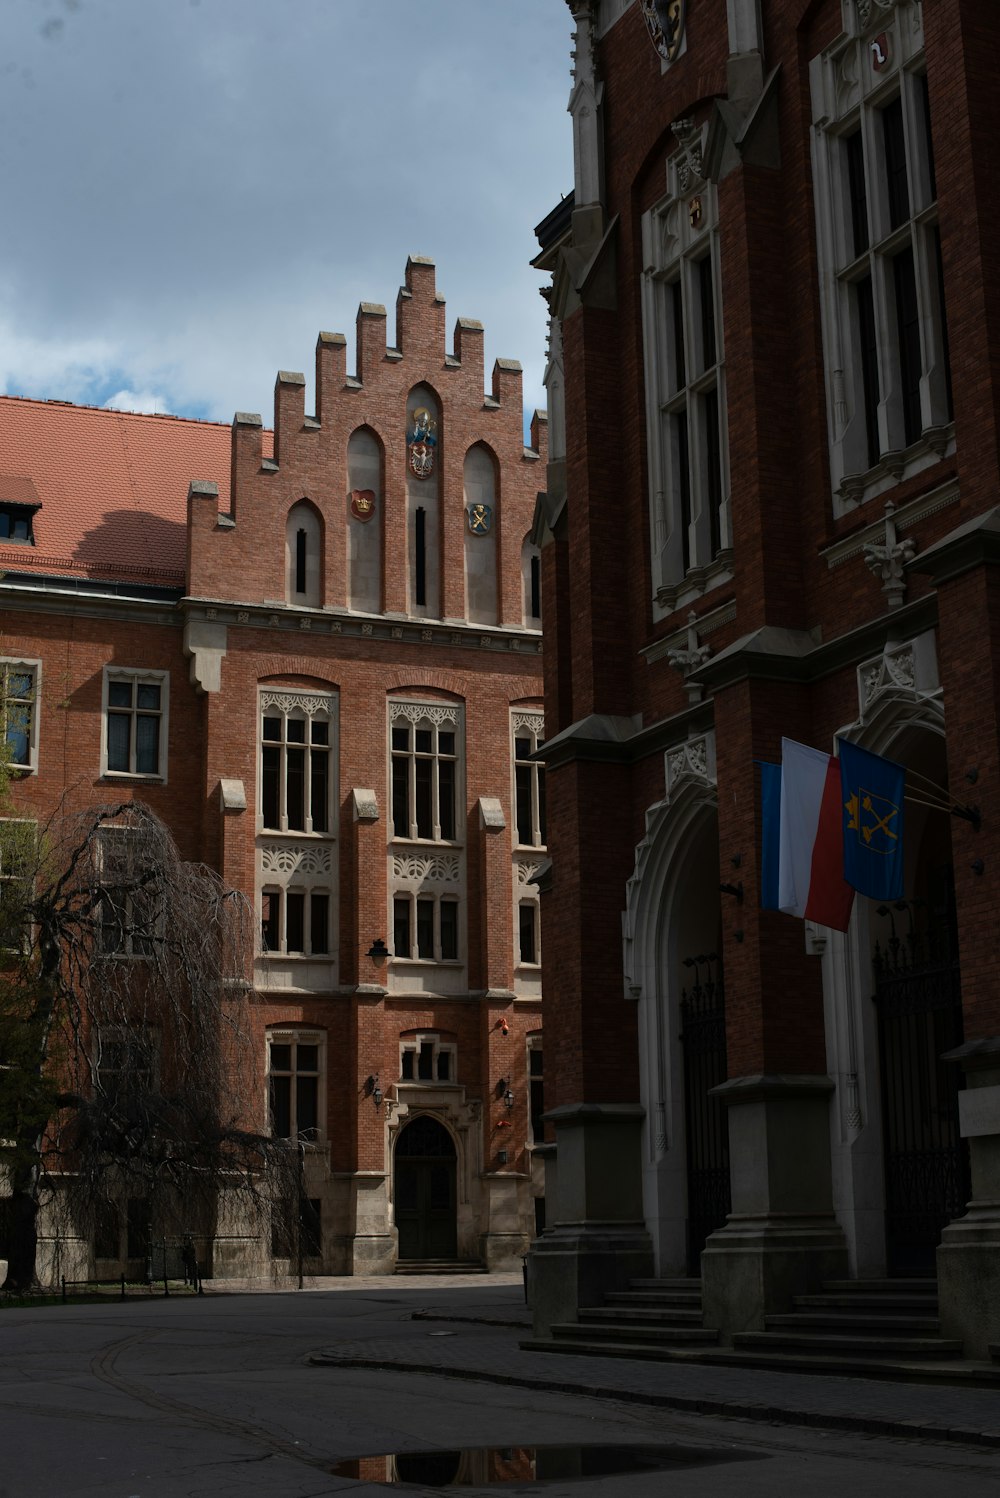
x,y
296,745
295,1083
426,1058
19,682
426,884
296,921
685,382
528,732
129,895
135,722
889,401
425,926
424,748
296,846
536,1090
528,935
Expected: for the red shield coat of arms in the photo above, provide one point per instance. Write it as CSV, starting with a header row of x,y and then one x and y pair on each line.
x,y
362,503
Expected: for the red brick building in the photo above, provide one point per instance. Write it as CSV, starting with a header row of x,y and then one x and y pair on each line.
x,y
316,655
772,510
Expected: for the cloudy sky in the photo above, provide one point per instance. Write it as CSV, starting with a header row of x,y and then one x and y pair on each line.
x,y
192,189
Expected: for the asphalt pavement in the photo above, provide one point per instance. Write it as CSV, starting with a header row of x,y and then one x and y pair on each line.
x,y
240,1394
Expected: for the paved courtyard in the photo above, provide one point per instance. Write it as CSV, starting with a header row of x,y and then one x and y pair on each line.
x,y
264,1393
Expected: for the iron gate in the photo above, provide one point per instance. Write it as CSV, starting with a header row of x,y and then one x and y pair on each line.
x,y
703,1017
919,1000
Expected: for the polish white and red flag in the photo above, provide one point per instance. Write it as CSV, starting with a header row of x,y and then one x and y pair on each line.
x,y
811,880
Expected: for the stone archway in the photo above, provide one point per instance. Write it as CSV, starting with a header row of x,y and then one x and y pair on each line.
x,y
672,951
424,1191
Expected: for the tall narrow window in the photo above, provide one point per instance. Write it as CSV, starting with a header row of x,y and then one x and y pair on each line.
x,y
19,711
420,556
303,556
529,780
536,588
424,761
884,332
536,1089
685,387
295,769
300,560
295,1061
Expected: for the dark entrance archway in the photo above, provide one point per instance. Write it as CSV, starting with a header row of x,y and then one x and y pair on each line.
x,y
425,1197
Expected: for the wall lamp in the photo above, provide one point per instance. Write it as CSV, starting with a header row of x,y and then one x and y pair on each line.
x,y
378,951
504,1093
373,1090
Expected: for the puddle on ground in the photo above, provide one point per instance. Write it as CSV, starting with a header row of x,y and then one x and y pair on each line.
x,y
481,1466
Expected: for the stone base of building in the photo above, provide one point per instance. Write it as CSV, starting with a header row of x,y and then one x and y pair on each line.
x,y
598,1240
781,1238
754,1266
573,1267
968,1259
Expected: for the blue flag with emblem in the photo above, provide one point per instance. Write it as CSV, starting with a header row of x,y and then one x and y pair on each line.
x,y
873,822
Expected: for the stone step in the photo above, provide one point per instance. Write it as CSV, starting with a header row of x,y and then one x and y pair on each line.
x,y
650,1315
692,1285
901,1370
440,1266
927,1348
882,1287
683,1300
924,1305
596,1331
847,1321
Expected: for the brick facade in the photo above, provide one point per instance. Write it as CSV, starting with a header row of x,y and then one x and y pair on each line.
x,y
732,165
165,546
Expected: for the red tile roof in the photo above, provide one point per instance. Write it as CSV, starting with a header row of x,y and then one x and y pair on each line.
x,y
112,485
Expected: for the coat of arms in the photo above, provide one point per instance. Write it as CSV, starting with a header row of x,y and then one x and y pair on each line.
x,y
665,21
422,441
480,519
362,503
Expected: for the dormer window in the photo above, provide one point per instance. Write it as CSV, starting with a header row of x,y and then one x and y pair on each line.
x,y
16,524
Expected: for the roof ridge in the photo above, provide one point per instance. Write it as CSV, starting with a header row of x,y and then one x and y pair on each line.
x,y
49,402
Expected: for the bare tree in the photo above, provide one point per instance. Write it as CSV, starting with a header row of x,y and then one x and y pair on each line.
x,y
128,1069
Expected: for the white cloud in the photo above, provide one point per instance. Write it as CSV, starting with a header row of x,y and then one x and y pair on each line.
x,y
198,190
145,402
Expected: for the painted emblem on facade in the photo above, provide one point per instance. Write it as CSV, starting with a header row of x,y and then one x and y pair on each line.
x,y
879,48
695,212
480,519
665,22
362,503
422,442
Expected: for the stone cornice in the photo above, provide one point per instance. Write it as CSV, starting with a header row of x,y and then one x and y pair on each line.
x,y
975,544
771,654
622,741
324,622
904,519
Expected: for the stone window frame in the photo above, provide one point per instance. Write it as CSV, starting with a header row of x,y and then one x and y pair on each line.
x,y
12,666
424,717
413,1045
294,1036
299,861
136,677
412,899
129,947
11,857
534,1045
680,233
849,96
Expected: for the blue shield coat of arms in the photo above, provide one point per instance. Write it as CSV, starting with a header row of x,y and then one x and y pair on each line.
x,y
480,519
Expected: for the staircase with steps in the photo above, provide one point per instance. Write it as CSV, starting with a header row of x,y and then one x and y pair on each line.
x,y
440,1266
875,1328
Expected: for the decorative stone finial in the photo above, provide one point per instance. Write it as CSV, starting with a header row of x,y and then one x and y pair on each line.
x,y
889,560
688,658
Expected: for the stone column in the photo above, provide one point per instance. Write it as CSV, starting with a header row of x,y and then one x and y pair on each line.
x,y
968,1258
596,1239
781,1238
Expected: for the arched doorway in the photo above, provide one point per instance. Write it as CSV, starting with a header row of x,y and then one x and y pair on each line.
x,y
672,953
424,1195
